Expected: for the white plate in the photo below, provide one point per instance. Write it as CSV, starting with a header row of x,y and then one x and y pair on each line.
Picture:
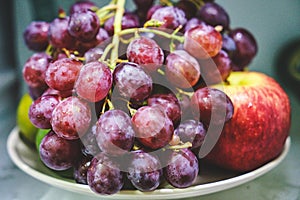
x,y
210,180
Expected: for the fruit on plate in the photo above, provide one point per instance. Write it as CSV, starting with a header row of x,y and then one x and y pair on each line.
x,y
133,110
260,125
27,129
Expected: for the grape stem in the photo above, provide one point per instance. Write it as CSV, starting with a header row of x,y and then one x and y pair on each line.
x,y
180,146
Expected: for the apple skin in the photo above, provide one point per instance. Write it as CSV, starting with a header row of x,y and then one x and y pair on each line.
x,y
260,125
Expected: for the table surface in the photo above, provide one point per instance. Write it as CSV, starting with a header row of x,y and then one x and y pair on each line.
x,y
280,183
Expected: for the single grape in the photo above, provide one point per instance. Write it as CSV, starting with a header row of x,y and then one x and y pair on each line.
x,y
146,53
101,36
71,118
228,44
81,6
59,36
191,131
169,103
114,133
188,8
36,35
104,175
61,74
34,70
193,22
129,20
144,171
214,15
58,153
132,81
246,46
182,170
153,127
203,41
217,69
93,54
84,25
81,168
94,81
172,17
40,111
152,10
210,102
182,69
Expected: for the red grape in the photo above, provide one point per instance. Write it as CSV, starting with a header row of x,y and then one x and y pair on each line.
x,y
36,35
81,6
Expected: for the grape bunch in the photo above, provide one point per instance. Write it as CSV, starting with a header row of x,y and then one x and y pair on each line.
x,y
127,97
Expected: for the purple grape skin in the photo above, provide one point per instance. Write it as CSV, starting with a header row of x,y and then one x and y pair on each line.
x,y
207,100
94,81
58,153
214,14
71,118
152,126
129,20
191,131
36,35
193,22
183,168
114,133
59,36
228,44
40,111
246,46
171,16
93,54
34,70
152,10
144,171
84,25
188,8
36,92
61,94
146,53
61,74
81,168
182,69
81,6
132,81
104,176
169,103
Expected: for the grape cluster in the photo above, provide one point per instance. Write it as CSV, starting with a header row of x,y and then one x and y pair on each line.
x,y
127,96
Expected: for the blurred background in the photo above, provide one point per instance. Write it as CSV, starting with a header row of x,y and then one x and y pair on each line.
x,y
275,25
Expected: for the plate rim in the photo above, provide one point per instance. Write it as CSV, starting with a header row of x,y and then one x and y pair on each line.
x,y
164,193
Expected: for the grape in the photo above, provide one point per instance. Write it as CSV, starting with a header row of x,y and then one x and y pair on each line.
x,y
84,25
114,132
193,22
81,6
188,8
132,81
145,52
93,54
34,70
81,168
104,176
216,70
152,10
36,92
71,118
182,170
36,35
144,171
228,44
203,41
172,17
58,153
207,101
90,145
191,131
94,81
214,14
182,70
129,20
153,127
40,111
101,36
246,46
169,103
61,74
59,36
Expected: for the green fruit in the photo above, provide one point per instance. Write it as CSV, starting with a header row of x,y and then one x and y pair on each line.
x,y
27,130
39,136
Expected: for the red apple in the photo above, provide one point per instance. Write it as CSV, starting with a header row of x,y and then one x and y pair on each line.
x,y
260,125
